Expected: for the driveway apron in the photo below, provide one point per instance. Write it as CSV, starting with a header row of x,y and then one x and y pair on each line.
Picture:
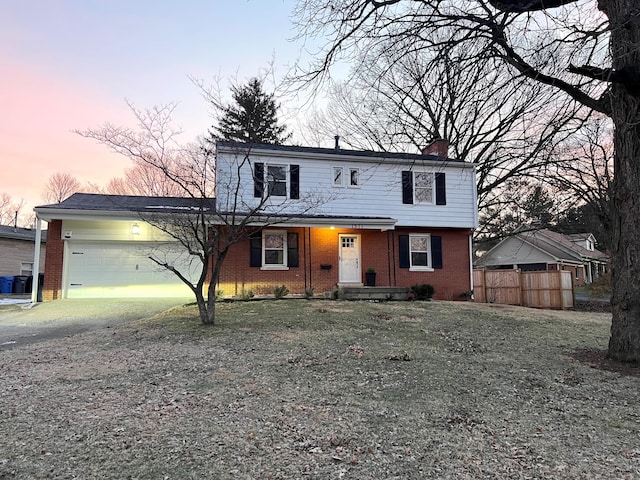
x,y
62,318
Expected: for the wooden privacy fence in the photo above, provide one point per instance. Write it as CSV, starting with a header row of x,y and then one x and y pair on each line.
x,y
552,289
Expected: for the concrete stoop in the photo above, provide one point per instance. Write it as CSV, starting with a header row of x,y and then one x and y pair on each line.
x,y
373,293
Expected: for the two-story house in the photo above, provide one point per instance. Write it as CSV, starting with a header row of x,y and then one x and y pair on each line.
x,y
319,217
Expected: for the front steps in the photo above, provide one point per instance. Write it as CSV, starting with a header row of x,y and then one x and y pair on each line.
x,y
372,293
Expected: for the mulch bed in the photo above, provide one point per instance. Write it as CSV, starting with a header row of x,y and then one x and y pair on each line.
x,y
598,359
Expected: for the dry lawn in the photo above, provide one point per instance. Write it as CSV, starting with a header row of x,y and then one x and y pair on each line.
x,y
323,390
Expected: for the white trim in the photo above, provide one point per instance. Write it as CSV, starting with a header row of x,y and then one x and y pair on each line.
x,y
35,283
275,266
334,168
349,183
433,188
340,157
421,268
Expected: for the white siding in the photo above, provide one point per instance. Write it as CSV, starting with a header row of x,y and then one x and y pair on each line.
x,y
378,195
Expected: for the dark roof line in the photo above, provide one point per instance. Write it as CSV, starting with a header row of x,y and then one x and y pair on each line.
x,y
334,151
19,233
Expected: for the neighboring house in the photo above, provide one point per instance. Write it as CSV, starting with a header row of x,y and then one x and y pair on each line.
x,y
17,250
327,216
548,250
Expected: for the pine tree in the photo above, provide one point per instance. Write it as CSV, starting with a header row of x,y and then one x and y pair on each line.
x,y
253,118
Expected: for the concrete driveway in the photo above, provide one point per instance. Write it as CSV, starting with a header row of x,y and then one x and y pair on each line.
x,y
62,318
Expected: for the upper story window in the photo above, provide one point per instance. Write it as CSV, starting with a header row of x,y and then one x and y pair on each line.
x,y
354,177
424,188
277,180
336,176
281,180
341,176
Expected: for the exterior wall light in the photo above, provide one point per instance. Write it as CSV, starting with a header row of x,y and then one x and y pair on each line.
x,y
135,229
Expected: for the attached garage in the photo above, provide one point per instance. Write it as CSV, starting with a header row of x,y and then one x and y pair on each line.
x,y
122,270
101,245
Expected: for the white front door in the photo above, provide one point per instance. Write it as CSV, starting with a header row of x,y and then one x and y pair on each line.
x,y
349,259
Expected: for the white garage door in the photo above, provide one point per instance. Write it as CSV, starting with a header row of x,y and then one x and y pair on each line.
x,y
124,270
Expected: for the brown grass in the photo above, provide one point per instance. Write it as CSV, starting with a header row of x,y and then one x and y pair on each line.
x,y
323,390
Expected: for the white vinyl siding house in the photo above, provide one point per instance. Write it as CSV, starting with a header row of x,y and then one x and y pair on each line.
x,y
443,194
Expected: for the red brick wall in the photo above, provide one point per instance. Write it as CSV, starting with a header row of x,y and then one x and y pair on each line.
x,y
52,288
379,250
317,247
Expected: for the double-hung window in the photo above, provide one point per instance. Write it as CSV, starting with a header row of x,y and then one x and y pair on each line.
x,y
341,176
424,188
420,252
277,180
274,248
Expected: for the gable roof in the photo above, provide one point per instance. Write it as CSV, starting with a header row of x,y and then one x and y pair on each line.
x,y
19,233
566,242
553,244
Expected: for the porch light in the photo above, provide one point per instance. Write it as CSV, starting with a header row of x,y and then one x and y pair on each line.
x,y
135,229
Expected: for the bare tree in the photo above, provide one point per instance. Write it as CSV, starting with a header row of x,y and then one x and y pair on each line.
x,y
143,179
582,48
588,173
59,187
510,127
198,228
10,210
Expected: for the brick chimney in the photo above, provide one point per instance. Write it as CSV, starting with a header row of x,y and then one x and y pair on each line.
x,y
439,147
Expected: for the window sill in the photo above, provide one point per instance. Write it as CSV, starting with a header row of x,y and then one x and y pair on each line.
x,y
274,267
421,269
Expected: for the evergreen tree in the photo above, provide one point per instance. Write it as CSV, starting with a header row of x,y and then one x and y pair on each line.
x,y
252,118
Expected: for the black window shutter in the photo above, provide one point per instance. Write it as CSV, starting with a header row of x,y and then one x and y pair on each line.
x,y
407,187
258,179
404,251
441,189
294,179
436,251
292,250
255,250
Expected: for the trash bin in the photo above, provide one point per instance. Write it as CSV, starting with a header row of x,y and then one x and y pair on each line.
x,y
6,284
19,284
40,286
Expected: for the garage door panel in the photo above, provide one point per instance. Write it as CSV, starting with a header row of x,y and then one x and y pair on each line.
x,y
120,270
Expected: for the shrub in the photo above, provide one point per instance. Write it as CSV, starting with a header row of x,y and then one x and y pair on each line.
x,y
246,294
308,293
280,291
219,295
423,291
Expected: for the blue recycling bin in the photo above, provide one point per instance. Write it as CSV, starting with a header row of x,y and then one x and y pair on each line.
x,y
6,285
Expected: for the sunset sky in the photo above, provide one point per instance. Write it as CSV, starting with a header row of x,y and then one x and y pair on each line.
x,y
72,64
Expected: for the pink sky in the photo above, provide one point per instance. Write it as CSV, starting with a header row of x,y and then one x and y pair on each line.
x,y
71,65
36,139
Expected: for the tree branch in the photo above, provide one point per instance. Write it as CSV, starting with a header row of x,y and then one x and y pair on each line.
x,y
521,6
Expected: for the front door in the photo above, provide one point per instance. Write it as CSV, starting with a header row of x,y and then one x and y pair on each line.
x,y
349,259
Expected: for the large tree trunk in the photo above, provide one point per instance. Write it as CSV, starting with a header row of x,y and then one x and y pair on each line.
x,y
624,17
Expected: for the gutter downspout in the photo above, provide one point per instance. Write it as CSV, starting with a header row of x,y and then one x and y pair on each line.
x,y
471,263
36,262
